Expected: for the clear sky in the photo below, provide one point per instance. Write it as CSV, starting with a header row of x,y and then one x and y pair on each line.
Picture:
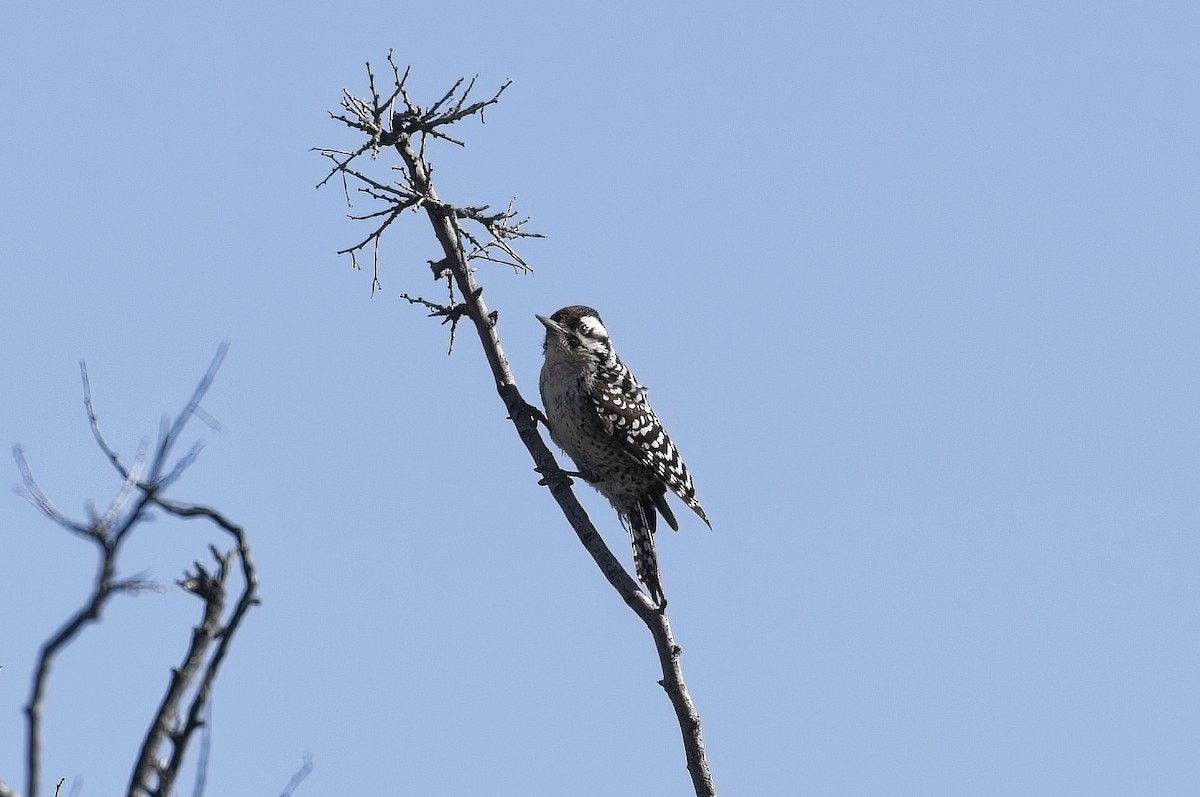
x,y
914,287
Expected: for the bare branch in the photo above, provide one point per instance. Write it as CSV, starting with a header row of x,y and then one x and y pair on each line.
x,y
410,129
340,166
438,309
136,584
391,214
89,613
299,775
33,492
94,421
385,125
182,464
211,589
129,487
171,433
136,496
205,750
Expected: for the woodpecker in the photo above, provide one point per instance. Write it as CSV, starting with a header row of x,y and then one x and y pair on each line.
x,y
598,413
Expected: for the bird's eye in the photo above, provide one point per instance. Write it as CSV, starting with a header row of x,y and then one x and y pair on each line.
x,y
592,328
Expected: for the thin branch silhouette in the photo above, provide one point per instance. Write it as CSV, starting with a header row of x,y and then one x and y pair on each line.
x,y
143,480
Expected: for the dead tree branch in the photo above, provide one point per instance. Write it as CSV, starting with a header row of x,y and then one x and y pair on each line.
x,y
400,123
142,484
388,124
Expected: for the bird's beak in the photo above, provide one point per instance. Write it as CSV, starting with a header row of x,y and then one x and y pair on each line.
x,y
550,325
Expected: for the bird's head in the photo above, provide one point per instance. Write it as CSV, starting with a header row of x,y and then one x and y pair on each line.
x,y
577,333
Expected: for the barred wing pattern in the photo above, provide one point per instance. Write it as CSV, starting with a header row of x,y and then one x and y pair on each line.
x,y
622,405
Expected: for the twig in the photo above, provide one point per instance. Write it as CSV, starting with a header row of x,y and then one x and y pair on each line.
x,y
94,421
205,751
298,776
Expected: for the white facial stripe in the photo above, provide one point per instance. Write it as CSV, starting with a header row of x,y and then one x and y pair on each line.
x,y
591,326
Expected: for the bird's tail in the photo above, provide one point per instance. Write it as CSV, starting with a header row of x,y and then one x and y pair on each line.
x,y
645,560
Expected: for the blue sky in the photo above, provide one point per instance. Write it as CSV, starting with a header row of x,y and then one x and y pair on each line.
x,y
913,287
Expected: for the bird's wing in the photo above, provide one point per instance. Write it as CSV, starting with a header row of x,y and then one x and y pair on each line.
x,y
626,414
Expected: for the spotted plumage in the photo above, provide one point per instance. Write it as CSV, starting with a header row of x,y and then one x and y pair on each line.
x,y
598,413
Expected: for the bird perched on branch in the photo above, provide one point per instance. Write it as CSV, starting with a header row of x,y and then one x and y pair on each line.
x,y
598,413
